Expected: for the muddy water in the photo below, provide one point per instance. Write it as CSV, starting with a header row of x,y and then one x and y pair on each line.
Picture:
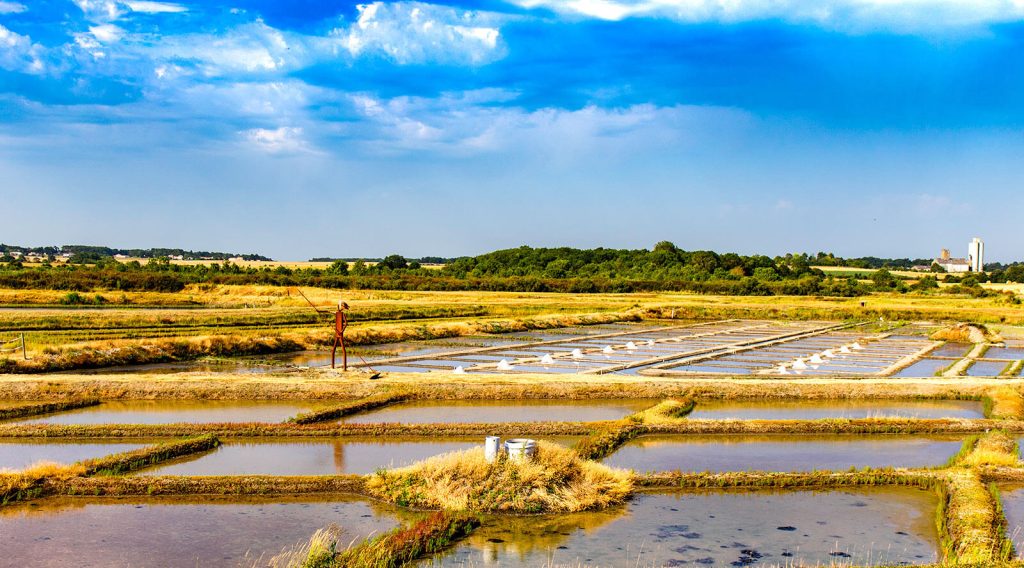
x,y
493,411
171,532
719,453
170,412
813,410
21,454
862,527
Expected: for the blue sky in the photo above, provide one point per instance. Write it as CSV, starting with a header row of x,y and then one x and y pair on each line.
x,y
317,128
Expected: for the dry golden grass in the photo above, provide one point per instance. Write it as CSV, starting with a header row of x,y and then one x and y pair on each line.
x,y
556,480
972,521
965,333
994,448
666,411
1006,402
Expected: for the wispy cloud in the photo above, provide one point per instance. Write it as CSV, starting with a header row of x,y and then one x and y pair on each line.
x,y
155,7
283,140
12,7
844,15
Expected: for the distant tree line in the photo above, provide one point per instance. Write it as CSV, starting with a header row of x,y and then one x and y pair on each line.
x,y
87,253
524,269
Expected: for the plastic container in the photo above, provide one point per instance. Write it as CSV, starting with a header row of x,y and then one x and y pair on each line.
x,y
521,449
492,444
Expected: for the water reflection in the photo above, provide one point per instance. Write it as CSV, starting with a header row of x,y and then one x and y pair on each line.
x,y
177,531
719,453
865,527
178,411
817,409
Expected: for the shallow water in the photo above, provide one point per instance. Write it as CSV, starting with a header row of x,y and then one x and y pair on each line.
x,y
1005,353
982,368
924,368
719,453
310,458
814,410
873,526
176,411
952,350
303,457
1013,507
171,532
493,411
21,454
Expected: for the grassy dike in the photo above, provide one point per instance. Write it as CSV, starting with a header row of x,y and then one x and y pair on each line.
x,y
45,479
28,410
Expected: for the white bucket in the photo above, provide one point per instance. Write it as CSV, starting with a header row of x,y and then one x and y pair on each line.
x,y
521,449
491,446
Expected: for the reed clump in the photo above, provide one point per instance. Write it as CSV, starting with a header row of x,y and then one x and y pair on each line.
x,y
30,483
555,480
401,546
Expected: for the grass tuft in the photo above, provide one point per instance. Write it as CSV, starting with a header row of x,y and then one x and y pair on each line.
x,y
556,480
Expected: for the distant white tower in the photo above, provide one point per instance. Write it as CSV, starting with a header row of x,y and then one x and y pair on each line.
x,y
976,255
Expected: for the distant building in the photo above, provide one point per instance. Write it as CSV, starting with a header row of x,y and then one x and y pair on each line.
x,y
976,254
950,264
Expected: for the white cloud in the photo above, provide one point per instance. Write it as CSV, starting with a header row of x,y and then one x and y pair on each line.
x,y
18,53
283,140
106,33
413,32
155,7
111,10
11,7
844,15
100,10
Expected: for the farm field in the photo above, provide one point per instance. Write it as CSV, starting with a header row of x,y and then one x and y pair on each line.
x,y
671,429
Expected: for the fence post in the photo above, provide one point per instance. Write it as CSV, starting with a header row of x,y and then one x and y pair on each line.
x,y
24,352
